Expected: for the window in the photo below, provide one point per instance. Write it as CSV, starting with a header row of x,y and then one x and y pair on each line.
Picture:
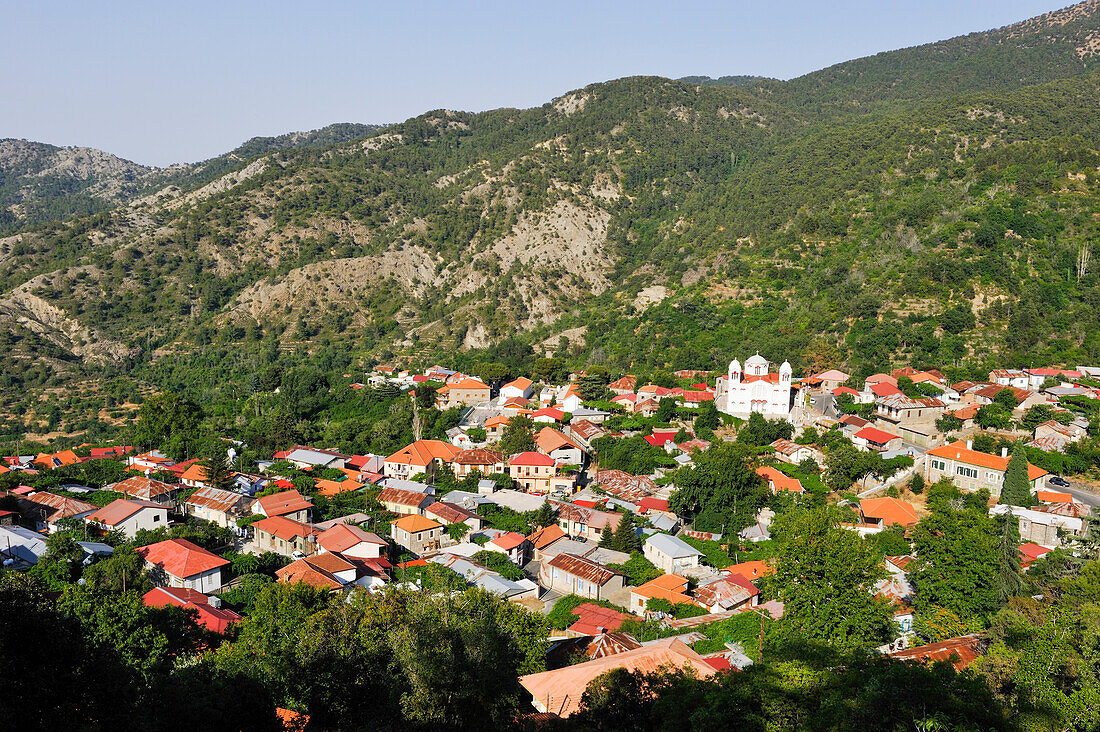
x,y
156,518
939,465
966,472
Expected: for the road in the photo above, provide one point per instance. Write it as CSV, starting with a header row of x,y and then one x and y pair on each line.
x,y
1087,497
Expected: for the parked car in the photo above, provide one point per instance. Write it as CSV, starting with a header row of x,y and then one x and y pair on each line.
x,y
1058,481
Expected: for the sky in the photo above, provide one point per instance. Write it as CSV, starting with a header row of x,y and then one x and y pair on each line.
x,y
165,82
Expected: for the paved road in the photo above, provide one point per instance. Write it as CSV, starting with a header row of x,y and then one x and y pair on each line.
x,y
1087,497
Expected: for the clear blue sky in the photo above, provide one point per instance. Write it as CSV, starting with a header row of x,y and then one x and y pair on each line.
x,y
162,82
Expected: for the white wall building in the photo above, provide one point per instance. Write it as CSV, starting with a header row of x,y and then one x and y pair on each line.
x,y
755,389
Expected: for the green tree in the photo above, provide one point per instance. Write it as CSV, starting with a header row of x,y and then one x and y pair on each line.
x,y
491,372
666,410
518,436
545,516
217,473
706,420
626,537
826,576
1016,490
607,537
170,422
1009,582
957,563
721,492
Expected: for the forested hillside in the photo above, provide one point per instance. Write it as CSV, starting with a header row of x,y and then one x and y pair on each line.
x,y
934,205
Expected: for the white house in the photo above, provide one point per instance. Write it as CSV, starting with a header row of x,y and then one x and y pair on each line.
x,y
741,393
670,554
521,388
129,516
179,563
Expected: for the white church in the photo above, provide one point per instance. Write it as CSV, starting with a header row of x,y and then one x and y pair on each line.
x,y
740,393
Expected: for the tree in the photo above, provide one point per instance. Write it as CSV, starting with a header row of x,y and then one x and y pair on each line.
x,y
760,431
169,422
666,410
607,537
519,435
826,577
706,420
1036,415
721,492
491,372
593,385
994,416
217,473
1016,490
1009,582
948,423
545,516
844,465
916,483
626,537
957,562
550,370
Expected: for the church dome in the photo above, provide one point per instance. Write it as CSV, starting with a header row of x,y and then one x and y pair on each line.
x,y
756,362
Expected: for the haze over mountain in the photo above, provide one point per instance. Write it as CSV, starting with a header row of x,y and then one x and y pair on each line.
x,y
927,204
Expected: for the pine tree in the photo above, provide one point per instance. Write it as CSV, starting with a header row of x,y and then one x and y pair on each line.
x,y
607,539
217,474
545,516
1017,488
626,540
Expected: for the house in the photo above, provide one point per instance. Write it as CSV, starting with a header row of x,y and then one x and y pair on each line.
x,y
422,456
1044,527
56,460
494,427
520,388
285,536
547,415
543,538
671,587
532,471
727,593
217,506
572,574
625,385
484,578
1053,436
352,542
450,513
418,534
290,504
484,461
1030,553
871,438
21,544
902,416
147,489
559,692
793,453
886,512
830,380
960,652
194,476
626,487
129,516
311,457
553,443
331,572
585,523
211,615
179,563
972,470
47,510
756,390
751,570
1010,377
465,393
583,432
397,500
515,545
670,554
779,481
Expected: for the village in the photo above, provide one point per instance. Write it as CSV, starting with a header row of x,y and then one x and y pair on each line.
x,y
529,499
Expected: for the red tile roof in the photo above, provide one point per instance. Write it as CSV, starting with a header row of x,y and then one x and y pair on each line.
x,y
423,452
592,617
546,536
780,480
890,510
342,537
213,619
180,558
959,452
284,528
533,459
509,541
478,456
876,436
144,488
280,504
59,506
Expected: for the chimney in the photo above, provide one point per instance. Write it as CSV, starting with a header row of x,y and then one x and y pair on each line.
x,y
1004,452
970,444
600,630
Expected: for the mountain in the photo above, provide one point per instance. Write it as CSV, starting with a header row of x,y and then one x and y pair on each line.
x,y
932,205
40,182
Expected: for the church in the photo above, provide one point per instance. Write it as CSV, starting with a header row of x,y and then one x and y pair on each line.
x,y
740,393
